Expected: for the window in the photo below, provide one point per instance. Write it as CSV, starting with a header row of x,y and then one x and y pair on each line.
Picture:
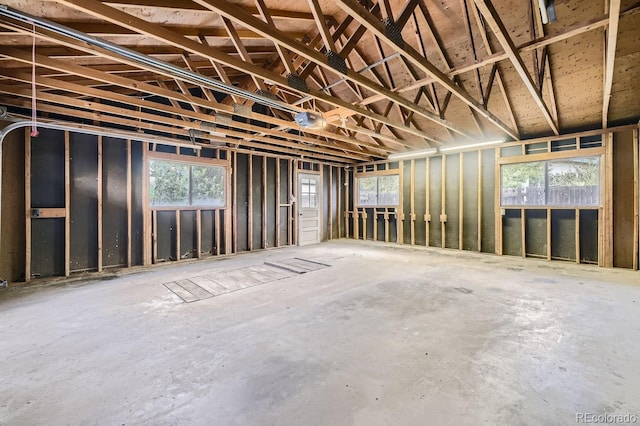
x,y
383,190
565,182
179,184
308,193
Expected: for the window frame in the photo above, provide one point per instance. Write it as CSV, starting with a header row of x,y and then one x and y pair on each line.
x,y
597,152
377,174
191,161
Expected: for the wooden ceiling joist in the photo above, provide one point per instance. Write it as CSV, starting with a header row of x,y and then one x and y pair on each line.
x,y
364,17
501,33
610,56
100,10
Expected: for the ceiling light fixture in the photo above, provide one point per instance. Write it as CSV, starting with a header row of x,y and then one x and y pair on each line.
x,y
309,120
470,146
413,154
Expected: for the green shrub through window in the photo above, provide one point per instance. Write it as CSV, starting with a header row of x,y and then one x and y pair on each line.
x,y
179,184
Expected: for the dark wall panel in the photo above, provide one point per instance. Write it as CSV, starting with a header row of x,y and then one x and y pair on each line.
x,y
536,233
207,227
512,232
470,201
114,202
166,238
420,199
241,171
488,200
256,212
563,234
452,201
435,201
589,236
47,169
370,223
47,247
271,202
623,199
188,235
84,201
136,203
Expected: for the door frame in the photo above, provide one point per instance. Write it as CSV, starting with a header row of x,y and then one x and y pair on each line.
x,y
297,204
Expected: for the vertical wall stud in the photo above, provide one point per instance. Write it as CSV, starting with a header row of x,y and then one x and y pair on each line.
x,y
234,171
548,234
149,253
290,208
577,235
427,215
608,214
27,202
330,198
400,211
154,236
346,204
277,202
479,200
523,232
250,205
178,254
216,220
99,203
443,211
264,201
413,204
198,233
636,198
498,210
129,196
460,202
67,207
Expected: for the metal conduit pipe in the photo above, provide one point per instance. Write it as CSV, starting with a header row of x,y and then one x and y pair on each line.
x,y
157,64
90,130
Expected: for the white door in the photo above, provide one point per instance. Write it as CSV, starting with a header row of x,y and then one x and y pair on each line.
x,y
308,209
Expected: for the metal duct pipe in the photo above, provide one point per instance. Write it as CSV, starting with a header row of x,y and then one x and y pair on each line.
x,y
91,130
157,64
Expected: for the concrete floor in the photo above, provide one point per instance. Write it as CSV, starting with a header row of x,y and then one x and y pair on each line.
x,y
386,336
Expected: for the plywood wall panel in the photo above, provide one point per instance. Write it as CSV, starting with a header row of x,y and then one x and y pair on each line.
x,y
114,202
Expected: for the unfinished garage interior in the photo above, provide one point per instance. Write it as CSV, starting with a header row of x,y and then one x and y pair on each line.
x,y
344,212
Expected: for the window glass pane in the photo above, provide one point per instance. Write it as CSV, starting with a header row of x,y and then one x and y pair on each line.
x,y
523,184
368,191
168,183
563,182
388,190
207,186
574,181
379,190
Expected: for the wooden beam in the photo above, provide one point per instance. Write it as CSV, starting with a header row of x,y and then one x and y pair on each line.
x,y
100,10
364,17
236,14
321,22
501,33
612,38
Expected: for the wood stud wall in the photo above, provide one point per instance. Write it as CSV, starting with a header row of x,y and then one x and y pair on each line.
x,y
605,236
346,219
